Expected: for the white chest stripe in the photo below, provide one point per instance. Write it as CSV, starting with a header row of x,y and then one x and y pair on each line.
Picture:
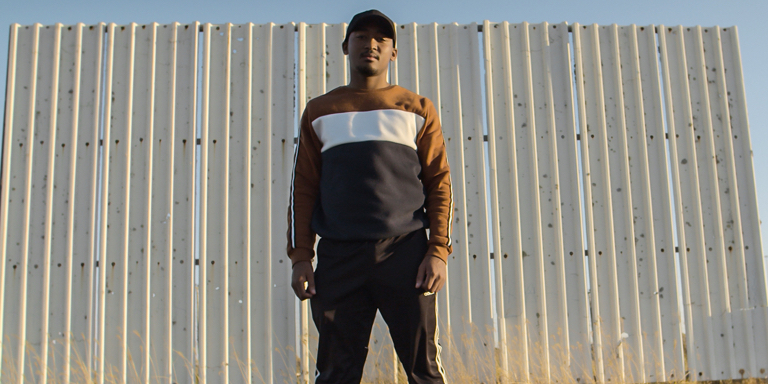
x,y
390,125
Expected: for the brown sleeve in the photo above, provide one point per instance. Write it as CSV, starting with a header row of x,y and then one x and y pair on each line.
x,y
305,183
436,177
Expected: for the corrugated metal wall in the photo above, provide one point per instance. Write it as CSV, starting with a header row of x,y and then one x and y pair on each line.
x,y
605,220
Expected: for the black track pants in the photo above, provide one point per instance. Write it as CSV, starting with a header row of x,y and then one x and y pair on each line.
x,y
353,280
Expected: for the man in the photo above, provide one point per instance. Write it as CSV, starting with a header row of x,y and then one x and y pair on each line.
x,y
370,175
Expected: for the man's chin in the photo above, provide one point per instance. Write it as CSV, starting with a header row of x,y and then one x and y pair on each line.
x,y
366,71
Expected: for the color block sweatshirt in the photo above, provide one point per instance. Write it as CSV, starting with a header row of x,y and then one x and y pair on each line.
x,y
369,165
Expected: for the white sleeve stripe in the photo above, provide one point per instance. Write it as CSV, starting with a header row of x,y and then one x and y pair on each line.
x,y
450,210
293,191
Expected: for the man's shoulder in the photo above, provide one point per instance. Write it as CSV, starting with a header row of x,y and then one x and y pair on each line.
x,y
414,102
323,98
332,97
416,98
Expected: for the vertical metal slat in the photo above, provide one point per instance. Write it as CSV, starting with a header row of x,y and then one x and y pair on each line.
x,y
757,284
181,250
48,202
337,66
32,289
495,236
8,128
575,270
458,282
105,179
644,237
661,203
713,250
532,241
502,147
238,220
583,49
66,247
687,209
259,264
744,362
157,270
283,123
202,366
550,209
621,204
217,202
477,224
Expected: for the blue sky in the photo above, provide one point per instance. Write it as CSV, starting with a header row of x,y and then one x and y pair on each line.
x,y
749,16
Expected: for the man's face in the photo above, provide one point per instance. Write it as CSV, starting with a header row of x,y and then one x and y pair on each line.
x,y
370,50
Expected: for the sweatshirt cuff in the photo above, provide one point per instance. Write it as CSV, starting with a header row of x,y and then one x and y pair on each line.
x,y
439,251
301,254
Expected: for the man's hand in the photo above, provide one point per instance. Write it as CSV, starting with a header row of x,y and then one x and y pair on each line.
x,y
303,273
431,276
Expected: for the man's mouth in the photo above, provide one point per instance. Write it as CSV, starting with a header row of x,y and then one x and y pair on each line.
x,y
369,56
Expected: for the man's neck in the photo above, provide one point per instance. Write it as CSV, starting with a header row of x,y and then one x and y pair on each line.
x,y
368,83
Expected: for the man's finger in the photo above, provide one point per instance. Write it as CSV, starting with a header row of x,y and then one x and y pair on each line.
x,y
298,286
302,294
310,285
420,275
430,284
438,285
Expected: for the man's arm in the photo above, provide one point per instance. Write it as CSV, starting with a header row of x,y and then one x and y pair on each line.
x,y
436,177
305,183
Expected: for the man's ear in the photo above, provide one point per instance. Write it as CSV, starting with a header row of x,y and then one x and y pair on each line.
x,y
394,54
344,48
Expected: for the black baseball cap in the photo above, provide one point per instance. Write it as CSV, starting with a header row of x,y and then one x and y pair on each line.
x,y
362,17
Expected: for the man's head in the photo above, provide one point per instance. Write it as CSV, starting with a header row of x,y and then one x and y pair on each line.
x,y
371,16
370,43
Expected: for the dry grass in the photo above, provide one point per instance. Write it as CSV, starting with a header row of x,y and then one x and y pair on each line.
x,y
483,365
80,370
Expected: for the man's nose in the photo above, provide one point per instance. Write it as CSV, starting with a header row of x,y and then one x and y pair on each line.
x,y
371,44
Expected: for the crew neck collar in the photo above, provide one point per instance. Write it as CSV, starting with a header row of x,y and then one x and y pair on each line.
x,y
362,90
